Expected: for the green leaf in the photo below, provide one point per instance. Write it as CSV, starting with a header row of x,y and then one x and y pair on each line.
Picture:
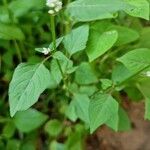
x,y
61,63
53,127
144,38
76,40
102,9
71,112
85,75
120,122
141,8
124,123
144,86
136,60
28,82
9,130
81,106
94,10
100,43
29,120
10,32
103,107
20,8
54,145
125,35
120,74
13,145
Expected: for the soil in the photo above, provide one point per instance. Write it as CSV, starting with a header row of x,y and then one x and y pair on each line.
x,y
136,139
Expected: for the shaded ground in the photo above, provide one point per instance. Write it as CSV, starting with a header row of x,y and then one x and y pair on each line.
x,y
136,139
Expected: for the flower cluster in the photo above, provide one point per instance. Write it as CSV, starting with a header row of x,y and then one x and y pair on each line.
x,y
54,5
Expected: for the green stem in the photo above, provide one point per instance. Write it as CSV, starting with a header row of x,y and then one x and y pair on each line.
x,y
52,21
18,50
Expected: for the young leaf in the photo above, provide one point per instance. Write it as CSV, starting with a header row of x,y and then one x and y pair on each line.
x,y
9,32
136,60
51,46
100,43
85,75
76,40
28,82
103,107
28,120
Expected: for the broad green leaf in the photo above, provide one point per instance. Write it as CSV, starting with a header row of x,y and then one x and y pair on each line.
x,y
100,43
102,9
85,75
20,8
29,120
136,60
28,82
53,127
120,74
103,107
76,40
120,122
10,32
140,9
81,106
95,9
125,35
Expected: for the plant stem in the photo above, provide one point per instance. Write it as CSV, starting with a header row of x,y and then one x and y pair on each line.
x,y
18,50
52,21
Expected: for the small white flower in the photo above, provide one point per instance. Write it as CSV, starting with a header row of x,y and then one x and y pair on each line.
x,y
148,73
51,12
46,51
55,6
